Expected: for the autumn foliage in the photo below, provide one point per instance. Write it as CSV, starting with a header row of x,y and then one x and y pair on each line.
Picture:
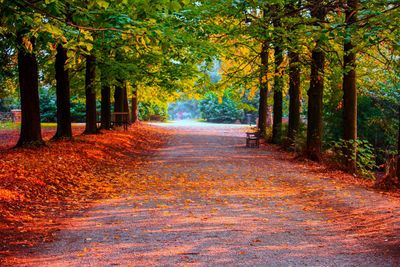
x,y
37,184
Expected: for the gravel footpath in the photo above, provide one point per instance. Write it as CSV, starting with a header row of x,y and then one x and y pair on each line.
x,y
207,200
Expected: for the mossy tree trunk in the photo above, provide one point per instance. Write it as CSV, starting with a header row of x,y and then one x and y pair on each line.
x,y
349,90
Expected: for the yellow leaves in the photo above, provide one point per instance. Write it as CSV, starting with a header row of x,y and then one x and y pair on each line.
x,y
103,4
27,43
83,252
188,201
53,30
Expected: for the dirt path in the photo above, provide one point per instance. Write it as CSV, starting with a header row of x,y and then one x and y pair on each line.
x,y
206,200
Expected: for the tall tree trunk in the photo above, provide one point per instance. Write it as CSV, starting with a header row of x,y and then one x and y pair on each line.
x,y
119,102
263,104
315,94
134,106
294,94
349,90
278,88
64,129
125,99
105,103
398,148
90,90
29,89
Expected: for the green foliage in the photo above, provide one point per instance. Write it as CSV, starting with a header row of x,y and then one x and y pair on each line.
x,y
223,110
299,143
149,111
364,155
9,103
48,107
78,108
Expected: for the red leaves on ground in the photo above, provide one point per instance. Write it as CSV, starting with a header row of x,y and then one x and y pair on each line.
x,y
39,184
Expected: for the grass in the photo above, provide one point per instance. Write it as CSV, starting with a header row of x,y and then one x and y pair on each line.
x,y
16,126
9,126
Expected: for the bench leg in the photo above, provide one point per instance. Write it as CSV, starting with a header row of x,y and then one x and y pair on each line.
x,y
252,142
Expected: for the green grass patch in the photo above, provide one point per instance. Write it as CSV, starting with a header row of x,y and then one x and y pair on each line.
x,y
49,125
16,126
9,126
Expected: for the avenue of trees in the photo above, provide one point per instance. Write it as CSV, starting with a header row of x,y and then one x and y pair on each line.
x,y
316,62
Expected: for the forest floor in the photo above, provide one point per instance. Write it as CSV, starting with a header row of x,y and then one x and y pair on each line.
x,y
204,199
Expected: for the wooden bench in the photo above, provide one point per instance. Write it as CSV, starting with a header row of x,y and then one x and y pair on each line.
x,y
120,119
253,139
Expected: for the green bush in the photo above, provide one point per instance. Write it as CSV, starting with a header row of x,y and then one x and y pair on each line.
x,y
299,143
364,156
78,109
226,111
48,107
153,111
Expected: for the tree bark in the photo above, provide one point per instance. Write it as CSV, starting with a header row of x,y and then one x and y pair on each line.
x,y
278,97
90,90
28,74
64,129
105,103
263,103
294,95
349,90
398,148
125,99
119,102
315,94
134,106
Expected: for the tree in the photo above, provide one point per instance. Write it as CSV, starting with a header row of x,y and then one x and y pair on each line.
x,y
398,148
105,102
294,76
90,92
349,88
263,105
134,106
294,96
64,129
29,89
316,90
119,101
278,84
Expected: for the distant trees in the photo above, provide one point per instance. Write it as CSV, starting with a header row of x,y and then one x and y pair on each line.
x,y
83,38
334,53
319,43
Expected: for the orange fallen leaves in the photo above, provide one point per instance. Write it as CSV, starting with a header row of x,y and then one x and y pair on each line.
x,y
36,184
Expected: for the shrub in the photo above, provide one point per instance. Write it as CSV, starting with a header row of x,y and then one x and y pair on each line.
x,y
364,156
153,111
225,111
